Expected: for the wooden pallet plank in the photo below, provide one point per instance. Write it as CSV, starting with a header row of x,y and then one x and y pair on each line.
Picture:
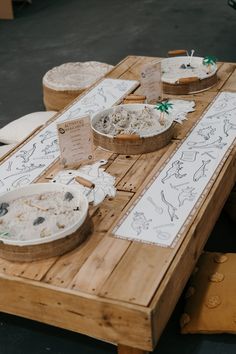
x,y
63,271
123,66
34,270
88,315
109,210
99,265
133,73
137,174
224,72
121,165
68,265
230,84
135,279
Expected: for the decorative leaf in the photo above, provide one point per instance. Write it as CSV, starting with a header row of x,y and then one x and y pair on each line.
x,y
164,106
209,60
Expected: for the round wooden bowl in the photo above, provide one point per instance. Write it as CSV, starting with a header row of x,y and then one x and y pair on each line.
x,y
131,144
178,81
64,83
57,244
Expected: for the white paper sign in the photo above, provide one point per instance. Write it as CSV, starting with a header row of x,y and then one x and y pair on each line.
x,y
75,141
167,204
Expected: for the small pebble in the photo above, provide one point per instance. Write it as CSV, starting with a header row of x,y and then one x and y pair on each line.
x,y
60,226
38,220
3,209
68,196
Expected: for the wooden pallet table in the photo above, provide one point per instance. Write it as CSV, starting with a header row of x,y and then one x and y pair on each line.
x,y
113,289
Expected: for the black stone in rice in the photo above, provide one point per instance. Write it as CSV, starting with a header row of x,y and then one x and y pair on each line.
x,y
76,209
3,209
68,196
38,220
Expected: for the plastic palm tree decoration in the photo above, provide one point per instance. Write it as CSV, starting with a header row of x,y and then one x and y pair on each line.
x,y
163,107
208,61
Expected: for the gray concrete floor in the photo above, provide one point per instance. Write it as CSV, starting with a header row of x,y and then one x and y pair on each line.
x,y
51,32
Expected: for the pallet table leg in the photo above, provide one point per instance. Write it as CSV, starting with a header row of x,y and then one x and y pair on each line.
x,y
122,349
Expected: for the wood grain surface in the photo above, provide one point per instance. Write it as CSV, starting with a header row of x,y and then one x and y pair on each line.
x,y
113,289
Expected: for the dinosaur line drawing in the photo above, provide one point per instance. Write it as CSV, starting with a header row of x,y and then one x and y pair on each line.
x,y
201,170
170,208
228,126
26,154
202,145
140,222
206,132
174,170
186,194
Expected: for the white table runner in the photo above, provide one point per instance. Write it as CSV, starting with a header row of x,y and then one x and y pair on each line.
x,y
164,207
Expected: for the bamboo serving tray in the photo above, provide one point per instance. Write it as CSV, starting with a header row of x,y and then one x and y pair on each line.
x,y
34,249
131,144
188,84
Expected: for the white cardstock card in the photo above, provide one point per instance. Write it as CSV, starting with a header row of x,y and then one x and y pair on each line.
x,y
151,84
165,206
75,141
38,154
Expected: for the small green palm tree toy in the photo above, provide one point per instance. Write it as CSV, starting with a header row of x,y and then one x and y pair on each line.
x,y
208,61
163,107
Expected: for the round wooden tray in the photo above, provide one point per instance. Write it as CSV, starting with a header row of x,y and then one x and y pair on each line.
x,y
131,144
55,245
190,82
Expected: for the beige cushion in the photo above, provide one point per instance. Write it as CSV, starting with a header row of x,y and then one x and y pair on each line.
x,y
19,129
211,296
5,148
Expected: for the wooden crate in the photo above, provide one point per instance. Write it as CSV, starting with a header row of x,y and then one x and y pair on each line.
x,y
112,289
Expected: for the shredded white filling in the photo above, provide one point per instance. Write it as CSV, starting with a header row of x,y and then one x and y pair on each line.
x,y
38,216
123,121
